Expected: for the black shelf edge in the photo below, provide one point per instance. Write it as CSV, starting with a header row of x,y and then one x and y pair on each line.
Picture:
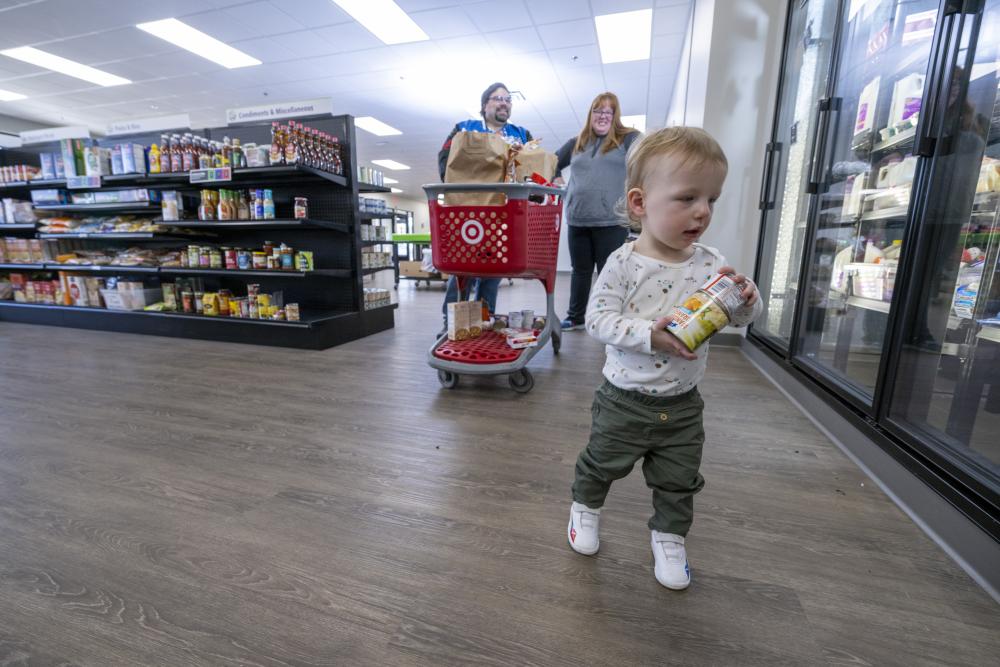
x,y
119,208
391,306
368,272
37,183
18,227
100,268
368,215
368,188
22,267
179,270
308,321
279,223
119,236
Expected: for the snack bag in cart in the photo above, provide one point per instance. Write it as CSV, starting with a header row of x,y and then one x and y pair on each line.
x,y
707,311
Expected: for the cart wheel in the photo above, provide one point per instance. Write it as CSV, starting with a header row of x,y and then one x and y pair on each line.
x,y
448,379
521,381
556,344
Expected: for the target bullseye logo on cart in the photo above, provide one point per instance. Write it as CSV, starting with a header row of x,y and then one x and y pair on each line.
x,y
473,232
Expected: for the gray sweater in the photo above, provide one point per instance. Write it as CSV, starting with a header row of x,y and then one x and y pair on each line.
x,y
596,181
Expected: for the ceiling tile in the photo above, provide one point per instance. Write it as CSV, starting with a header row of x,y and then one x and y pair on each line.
x,y
575,56
600,7
637,69
349,37
313,13
670,20
308,43
667,46
554,12
490,18
569,33
521,40
444,23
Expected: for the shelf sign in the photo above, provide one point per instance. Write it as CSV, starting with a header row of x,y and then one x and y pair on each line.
x,y
78,182
155,124
211,175
54,134
280,110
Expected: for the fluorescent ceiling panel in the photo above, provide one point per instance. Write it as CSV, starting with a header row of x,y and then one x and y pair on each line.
x,y
198,43
56,63
391,164
395,190
390,181
9,96
375,126
384,19
624,36
637,121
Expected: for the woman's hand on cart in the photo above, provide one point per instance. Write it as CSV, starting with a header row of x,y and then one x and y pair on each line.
x,y
664,341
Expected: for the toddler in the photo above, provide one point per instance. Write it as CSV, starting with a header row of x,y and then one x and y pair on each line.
x,y
648,407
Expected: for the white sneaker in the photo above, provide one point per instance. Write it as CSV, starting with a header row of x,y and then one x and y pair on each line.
x,y
582,530
671,567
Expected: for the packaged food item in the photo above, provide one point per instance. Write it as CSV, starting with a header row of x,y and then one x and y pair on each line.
x,y
172,206
210,304
304,260
259,260
706,312
522,339
301,208
292,312
169,296
516,319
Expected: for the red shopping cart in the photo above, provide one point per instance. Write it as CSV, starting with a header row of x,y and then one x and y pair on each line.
x,y
517,239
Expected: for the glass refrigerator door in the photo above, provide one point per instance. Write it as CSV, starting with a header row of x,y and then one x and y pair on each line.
x,y
784,198
947,385
862,173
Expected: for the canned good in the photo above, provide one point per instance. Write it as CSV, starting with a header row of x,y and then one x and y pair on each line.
x,y
259,260
706,312
273,263
244,260
199,305
229,255
187,302
527,318
515,319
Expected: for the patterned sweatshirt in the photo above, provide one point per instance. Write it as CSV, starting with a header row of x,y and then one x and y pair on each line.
x,y
634,290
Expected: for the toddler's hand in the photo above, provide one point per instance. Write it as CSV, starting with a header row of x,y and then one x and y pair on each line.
x,y
664,341
749,291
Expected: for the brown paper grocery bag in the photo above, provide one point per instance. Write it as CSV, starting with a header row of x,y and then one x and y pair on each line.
x,y
535,161
475,157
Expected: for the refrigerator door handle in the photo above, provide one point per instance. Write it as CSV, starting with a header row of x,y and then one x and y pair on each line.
x,y
765,184
822,125
940,71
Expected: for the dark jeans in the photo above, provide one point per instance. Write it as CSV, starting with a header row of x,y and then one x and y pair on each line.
x,y
589,248
483,288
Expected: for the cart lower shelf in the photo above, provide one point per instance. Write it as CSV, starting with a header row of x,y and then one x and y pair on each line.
x,y
490,348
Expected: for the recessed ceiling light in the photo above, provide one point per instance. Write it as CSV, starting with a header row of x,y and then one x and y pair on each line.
x,y
391,164
384,19
624,36
390,181
395,190
637,121
375,126
8,96
56,63
198,43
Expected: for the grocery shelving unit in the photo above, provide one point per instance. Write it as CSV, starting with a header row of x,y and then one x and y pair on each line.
x,y
331,296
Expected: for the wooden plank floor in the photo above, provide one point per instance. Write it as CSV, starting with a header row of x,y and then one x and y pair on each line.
x,y
175,502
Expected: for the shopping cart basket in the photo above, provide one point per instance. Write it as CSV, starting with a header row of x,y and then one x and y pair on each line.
x,y
517,239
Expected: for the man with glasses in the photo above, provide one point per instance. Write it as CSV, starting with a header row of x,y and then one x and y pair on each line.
x,y
494,107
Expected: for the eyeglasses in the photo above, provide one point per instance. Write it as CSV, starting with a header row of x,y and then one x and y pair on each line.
x,y
603,113
500,98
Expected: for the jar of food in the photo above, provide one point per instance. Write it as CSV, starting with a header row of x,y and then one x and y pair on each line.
x,y
215,258
287,256
301,208
273,263
259,260
187,302
244,259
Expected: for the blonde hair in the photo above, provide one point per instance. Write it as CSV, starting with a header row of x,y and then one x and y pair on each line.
x,y
693,145
617,132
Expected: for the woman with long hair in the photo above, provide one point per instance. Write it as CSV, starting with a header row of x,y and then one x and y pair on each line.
x,y
596,158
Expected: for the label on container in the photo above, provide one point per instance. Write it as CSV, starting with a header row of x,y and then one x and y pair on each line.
x,y
80,182
218,175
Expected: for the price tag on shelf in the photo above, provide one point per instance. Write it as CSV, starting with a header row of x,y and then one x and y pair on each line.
x,y
211,175
78,182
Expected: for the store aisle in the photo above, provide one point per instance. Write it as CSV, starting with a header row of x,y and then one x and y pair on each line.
x,y
179,502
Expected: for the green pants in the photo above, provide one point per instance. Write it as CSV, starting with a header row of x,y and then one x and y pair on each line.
x,y
665,432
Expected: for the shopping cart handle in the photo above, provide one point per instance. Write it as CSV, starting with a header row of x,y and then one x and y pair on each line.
x,y
512,190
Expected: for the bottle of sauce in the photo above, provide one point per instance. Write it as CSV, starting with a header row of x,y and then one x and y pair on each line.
x,y
291,149
258,205
277,150
176,160
268,205
227,152
154,159
242,208
239,159
187,153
